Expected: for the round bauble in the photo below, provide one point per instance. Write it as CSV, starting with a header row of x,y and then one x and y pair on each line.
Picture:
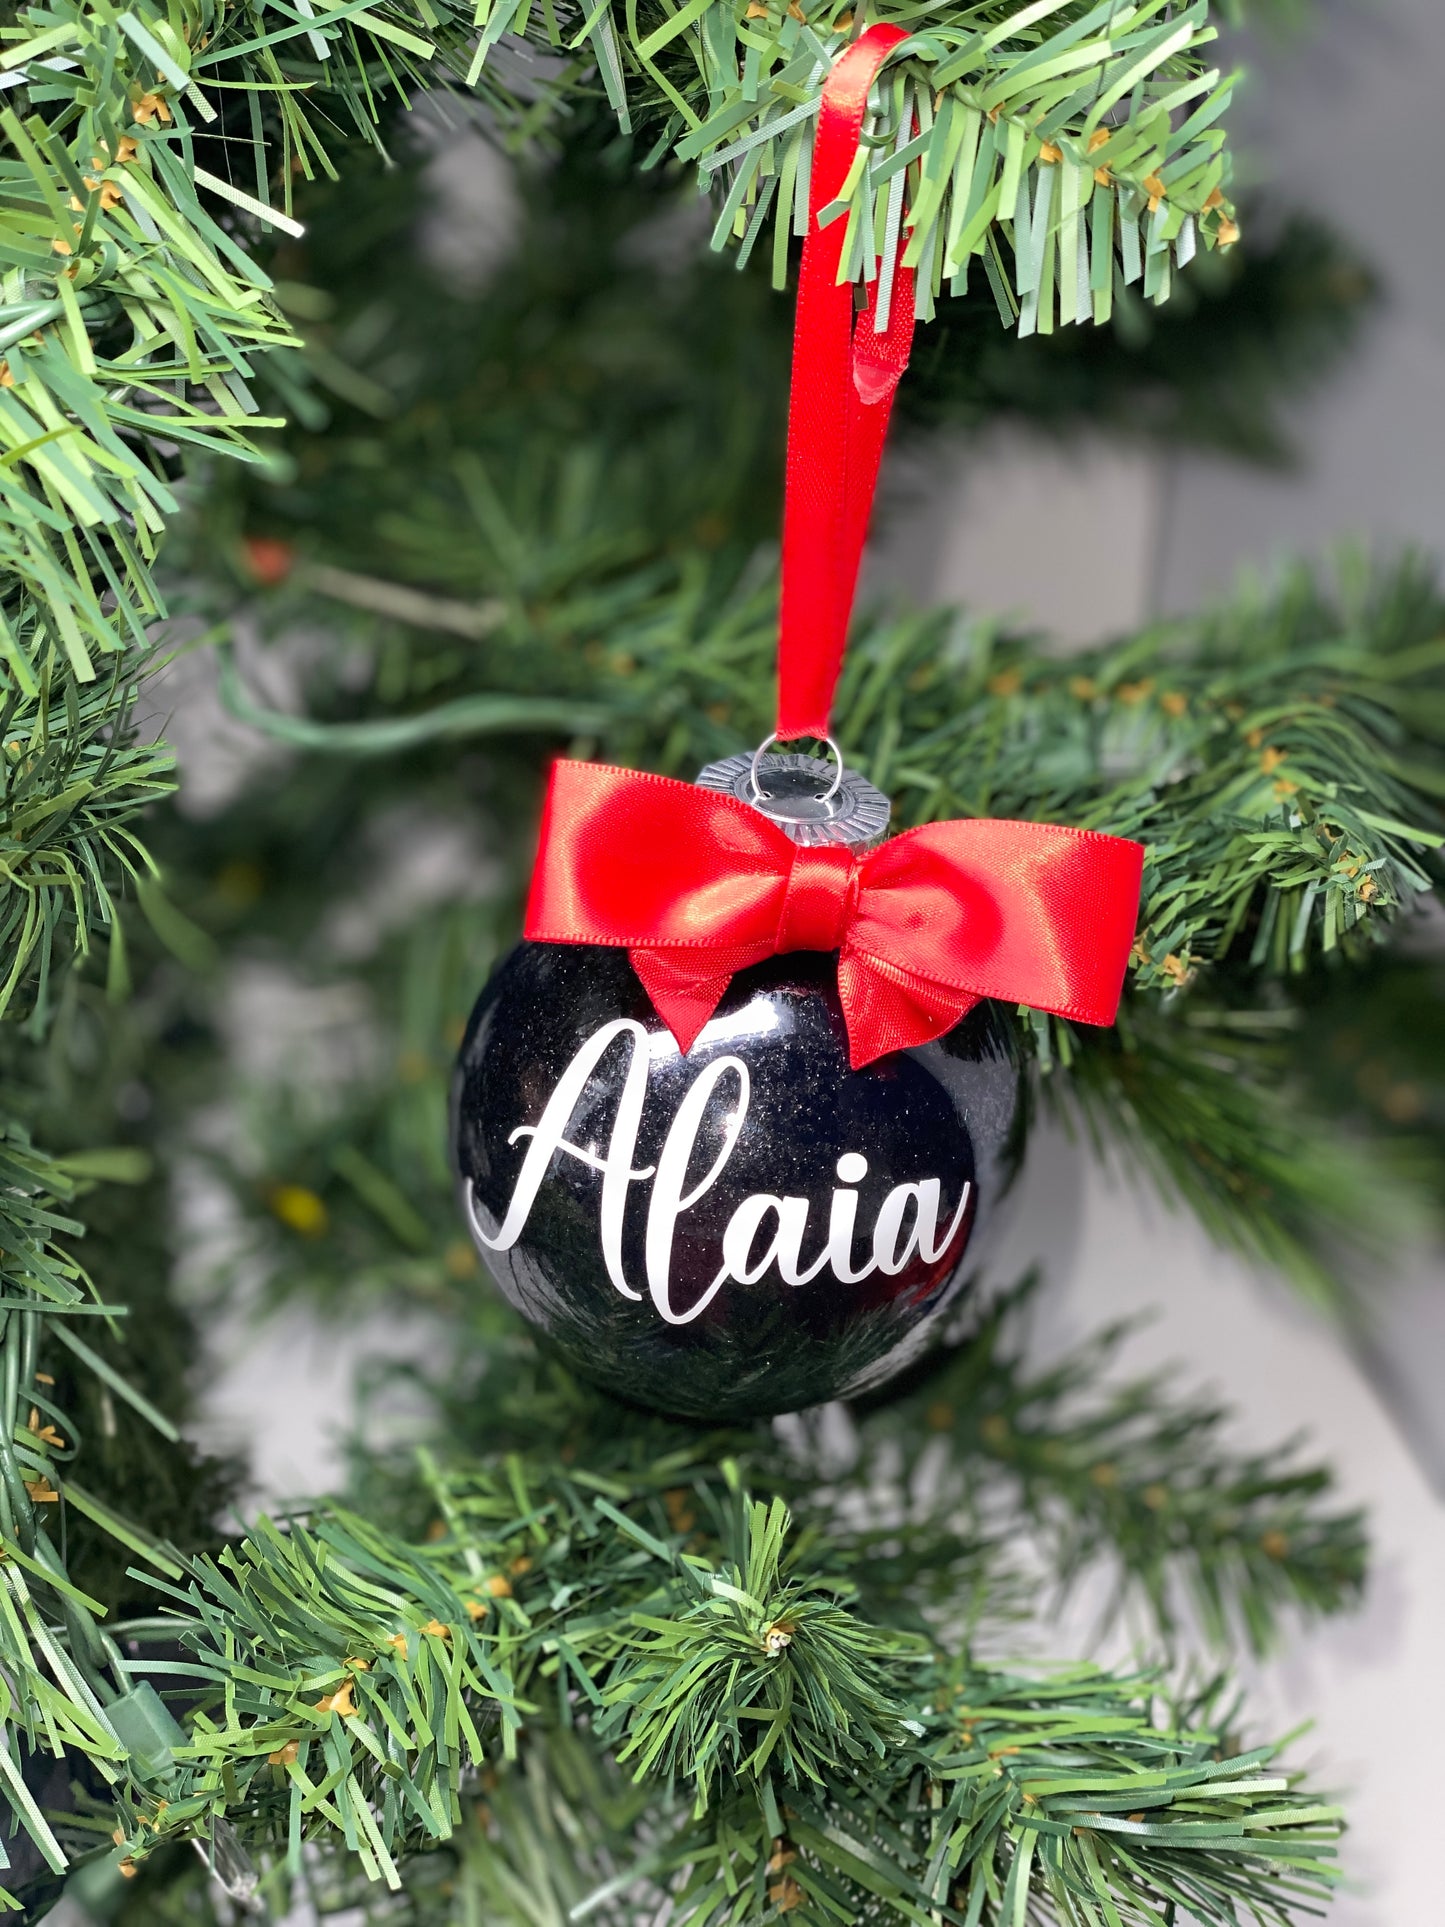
x,y
748,1229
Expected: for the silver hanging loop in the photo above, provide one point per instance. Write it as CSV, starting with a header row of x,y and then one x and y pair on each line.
x,y
813,802
761,797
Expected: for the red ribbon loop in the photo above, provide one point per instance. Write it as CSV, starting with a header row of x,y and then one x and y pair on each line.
x,y
697,886
845,374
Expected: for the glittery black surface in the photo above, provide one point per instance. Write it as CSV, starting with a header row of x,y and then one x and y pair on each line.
x,y
950,1112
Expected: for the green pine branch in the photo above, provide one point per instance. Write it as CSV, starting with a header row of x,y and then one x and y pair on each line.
x,y
1367,1052
74,776
1136,1475
1080,139
347,1676
133,316
557,1837
1211,1106
1279,757
36,1268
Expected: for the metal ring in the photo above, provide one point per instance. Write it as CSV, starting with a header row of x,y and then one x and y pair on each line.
x,y
828,794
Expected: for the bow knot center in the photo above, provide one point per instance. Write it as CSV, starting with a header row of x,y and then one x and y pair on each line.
x,y
817,900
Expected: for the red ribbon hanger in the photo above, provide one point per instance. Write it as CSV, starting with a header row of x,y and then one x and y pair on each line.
x,y
697,885
845,375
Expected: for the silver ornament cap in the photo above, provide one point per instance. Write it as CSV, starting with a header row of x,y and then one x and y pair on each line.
x,y
812,802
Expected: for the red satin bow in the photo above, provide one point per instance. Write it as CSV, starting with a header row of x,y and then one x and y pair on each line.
x,y
697,886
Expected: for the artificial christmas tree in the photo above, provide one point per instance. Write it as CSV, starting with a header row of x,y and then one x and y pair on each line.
x,y
569,1657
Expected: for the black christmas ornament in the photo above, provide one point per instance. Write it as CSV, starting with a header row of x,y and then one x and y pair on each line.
x,y
751,1225
749,1228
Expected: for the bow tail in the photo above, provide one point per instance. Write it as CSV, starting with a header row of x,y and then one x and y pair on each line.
x,y
687,985
889,1009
